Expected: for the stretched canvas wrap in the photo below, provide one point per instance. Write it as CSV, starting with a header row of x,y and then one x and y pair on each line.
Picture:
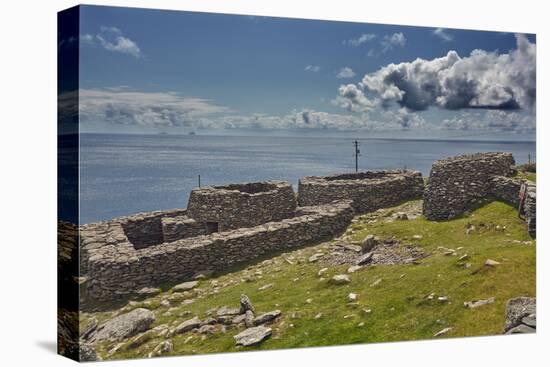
x,y
230,183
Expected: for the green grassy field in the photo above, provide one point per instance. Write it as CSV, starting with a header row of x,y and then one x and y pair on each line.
x,y
398,304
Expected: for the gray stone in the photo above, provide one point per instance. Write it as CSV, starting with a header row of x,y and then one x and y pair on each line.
x,y
164,347
530,320
340,279
267,317
227,311
124,326
187,286
364,259
369,243
517,309
246,304
479,303
87,353
249,318
188,325
252,336
148,292
90,328
521,329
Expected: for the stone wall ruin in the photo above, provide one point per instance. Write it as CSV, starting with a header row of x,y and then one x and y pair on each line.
x,y
369,191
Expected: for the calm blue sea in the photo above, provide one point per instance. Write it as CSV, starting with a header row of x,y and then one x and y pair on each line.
x,y
124,174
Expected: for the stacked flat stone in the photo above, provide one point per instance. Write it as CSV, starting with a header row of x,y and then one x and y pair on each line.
x,y
242,205
117,267
369,190
531,209
458,183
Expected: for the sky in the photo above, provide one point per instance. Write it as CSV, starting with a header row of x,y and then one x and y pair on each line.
x,y
149,71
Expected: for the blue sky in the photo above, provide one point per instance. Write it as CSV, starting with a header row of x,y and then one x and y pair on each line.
x,y
171,71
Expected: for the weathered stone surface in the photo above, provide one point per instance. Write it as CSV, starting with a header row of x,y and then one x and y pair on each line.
x,y
530,320
340,279
148,292
491,263
369,243
246,304
252,336
242,205
187,325
164,347
521,329
267,317
124,326
90,328
87,353
369,191
364,259
121,267
517,309
479,303
186,286
456,184
227,311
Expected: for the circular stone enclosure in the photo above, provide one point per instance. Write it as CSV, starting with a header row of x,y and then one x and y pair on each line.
x,y
369,190
242,205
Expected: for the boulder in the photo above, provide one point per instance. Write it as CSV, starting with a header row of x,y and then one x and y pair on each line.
x,y
252,336
90,328
188,325
249,318
187,286
124,326
517,309
246,304
267,317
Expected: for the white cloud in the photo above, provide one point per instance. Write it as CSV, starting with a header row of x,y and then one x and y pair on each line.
x,y
111,39
313,68
443,34
345,72
392,40
352,99
481,80
364,38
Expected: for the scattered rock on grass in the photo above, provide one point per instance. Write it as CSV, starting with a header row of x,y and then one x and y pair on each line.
x,y
165,347
187,286
491,263
124,326
246,304
252,336
479,303
443,332
187,325
340,279
267,317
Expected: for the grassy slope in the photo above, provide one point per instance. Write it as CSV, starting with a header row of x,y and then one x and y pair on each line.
x,y
399,308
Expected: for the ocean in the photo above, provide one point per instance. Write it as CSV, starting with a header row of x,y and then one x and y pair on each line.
x,y
125,174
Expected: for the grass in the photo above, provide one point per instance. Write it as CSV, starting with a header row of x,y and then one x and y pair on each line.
x,y
398,304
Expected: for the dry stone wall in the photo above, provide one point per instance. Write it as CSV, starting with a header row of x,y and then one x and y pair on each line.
x,y
369,191
531,209
457,184
242,205
119,268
